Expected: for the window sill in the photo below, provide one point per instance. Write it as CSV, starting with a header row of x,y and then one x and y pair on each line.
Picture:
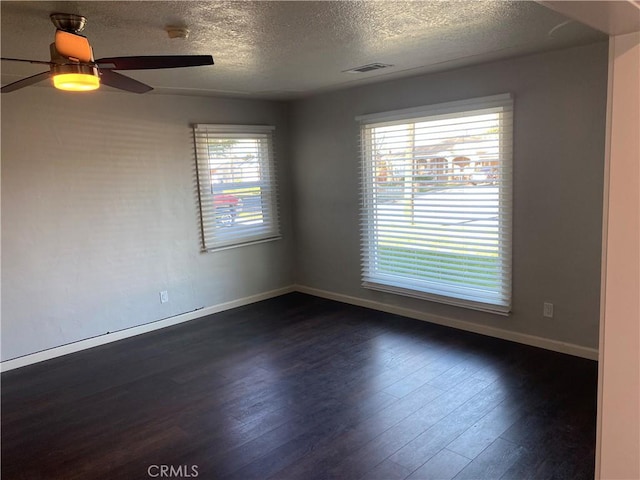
x,y
242,244
481,307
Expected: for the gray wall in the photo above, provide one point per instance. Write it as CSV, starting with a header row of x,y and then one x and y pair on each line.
x,y
559,131
99,214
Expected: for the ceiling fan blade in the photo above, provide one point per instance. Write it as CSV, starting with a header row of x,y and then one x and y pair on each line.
x,y
116,80
154,62
39,62
25,82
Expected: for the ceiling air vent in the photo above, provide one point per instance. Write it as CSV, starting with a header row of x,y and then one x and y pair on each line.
x,y
367,68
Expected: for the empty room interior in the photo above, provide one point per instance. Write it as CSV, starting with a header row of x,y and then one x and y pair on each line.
x,y
320,240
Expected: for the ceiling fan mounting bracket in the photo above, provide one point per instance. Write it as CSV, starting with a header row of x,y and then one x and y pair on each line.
x,y
68,22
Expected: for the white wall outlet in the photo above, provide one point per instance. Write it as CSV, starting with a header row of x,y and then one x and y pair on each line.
x,y
547,310
164,296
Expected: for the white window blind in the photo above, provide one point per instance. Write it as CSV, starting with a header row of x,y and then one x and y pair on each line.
x,y
237,188
437,196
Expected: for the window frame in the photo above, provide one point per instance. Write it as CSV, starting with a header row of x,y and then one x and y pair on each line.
x,y
215,236
371,276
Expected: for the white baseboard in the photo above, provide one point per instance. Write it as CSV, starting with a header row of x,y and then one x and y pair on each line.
x,y
532,340
138,330
548,344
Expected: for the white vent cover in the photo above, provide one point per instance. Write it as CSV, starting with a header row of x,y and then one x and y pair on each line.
x,y
367,68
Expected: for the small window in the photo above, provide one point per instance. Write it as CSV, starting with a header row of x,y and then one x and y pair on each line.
x,y
237,188
437,195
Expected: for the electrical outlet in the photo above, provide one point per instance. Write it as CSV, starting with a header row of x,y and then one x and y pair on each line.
x,y
164,296
547,310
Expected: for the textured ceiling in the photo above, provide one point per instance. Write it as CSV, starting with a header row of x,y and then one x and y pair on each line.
x,y
291,49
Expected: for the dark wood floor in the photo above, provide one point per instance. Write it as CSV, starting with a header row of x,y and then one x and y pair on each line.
x,y
302,388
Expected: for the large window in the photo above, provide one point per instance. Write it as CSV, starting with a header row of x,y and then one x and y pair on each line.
x,y
437,194
236,181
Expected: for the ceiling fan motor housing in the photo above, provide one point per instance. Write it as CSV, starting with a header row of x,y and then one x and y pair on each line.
x,y
62,65
71,46
79,68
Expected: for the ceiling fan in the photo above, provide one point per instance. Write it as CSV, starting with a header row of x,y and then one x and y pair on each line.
x,y
72,66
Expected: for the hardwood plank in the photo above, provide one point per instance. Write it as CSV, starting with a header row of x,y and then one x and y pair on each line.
x,y
456,421
493,462
486,430
444,465
387,470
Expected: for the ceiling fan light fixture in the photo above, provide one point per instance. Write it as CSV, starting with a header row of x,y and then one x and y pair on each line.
x,y
76,82
75,77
